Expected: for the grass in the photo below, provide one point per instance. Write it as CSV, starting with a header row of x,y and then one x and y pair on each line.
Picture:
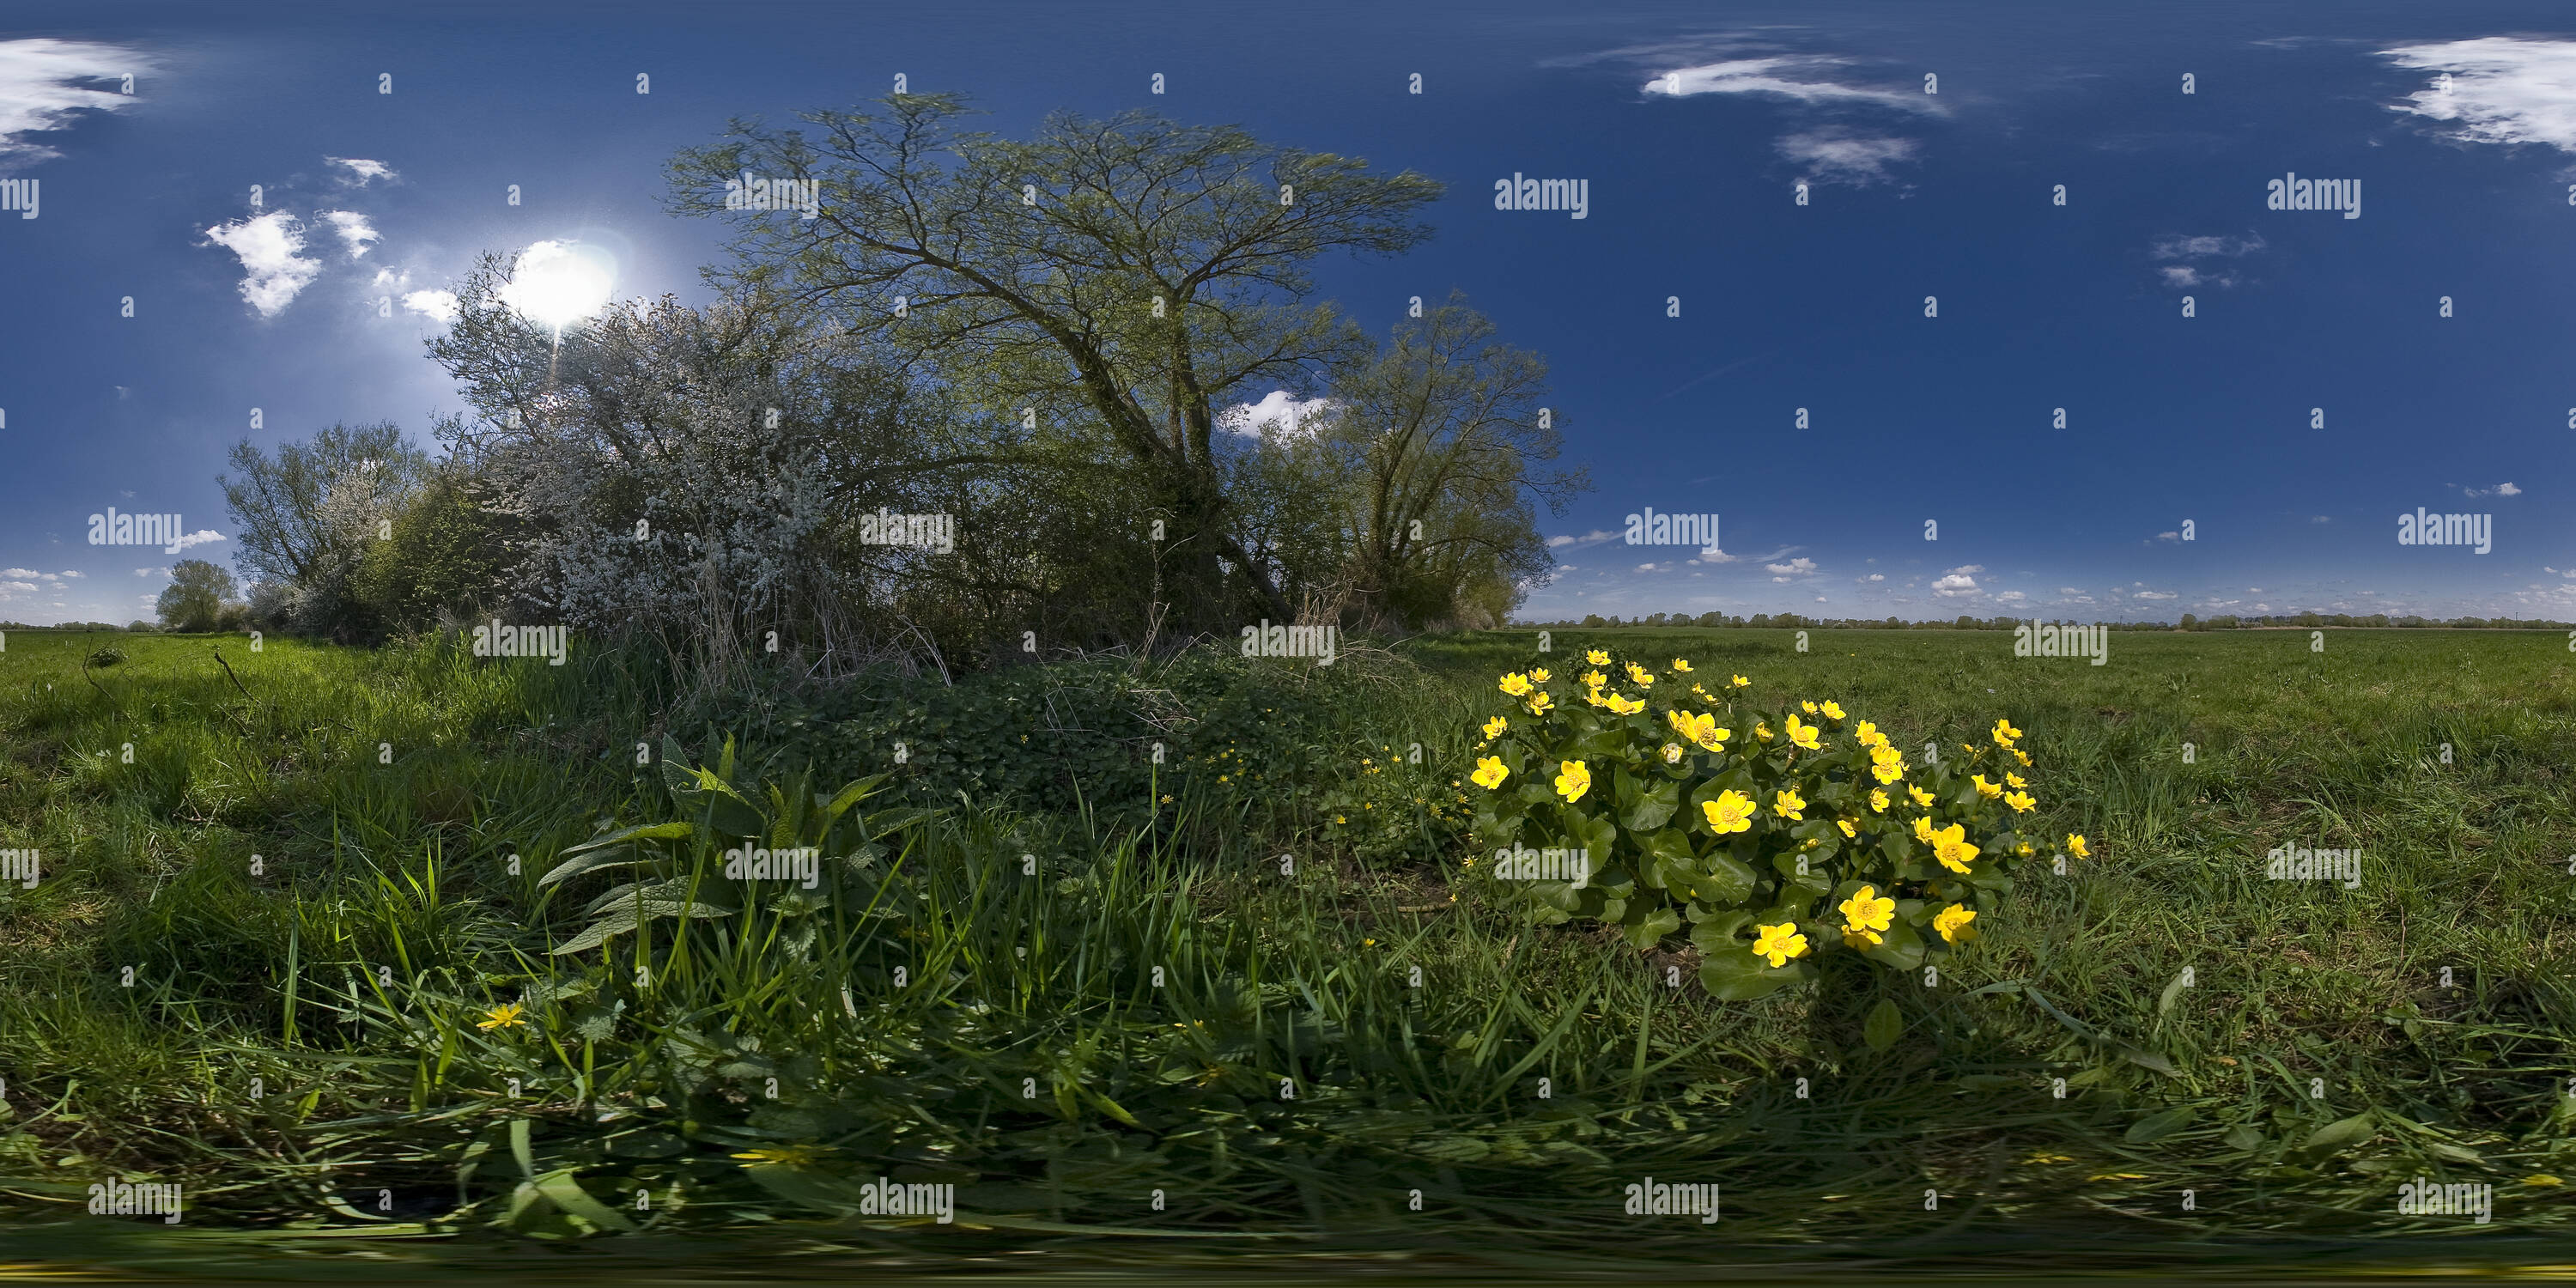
x,y
1032,1056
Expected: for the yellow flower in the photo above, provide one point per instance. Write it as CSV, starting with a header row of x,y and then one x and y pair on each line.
x,y
1921,797
1762,731
2022,756
1625,706
1573,779
1866,910
1740,682
1539,674
1984,788
1594,679
2025,849
1868,734
1516,684
1594,697
1845,825
1730,812
1950,845
2015,780
504,1016
2005,733
1701,729
1490,773
1923,830
1494,727
1877,801
1953,921
1540,703
2020,801
1801,735
1681,666
2075,846
1779,943
1597,657
2542,1179
1640,676
1786,804
1886,764
1808,707
1832,711
1672,753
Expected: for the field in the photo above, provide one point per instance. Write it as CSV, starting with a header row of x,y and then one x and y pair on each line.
x,y
1191,1031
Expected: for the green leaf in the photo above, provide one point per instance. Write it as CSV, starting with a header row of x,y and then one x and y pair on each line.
x,y
2157,1126
1717,933
1725,880
1653,806
1899,947
2244,1136
561,1190
1644,932
2335,1137
1736,975
1883,1026
614,849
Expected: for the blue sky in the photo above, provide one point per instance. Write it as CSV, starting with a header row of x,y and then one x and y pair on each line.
x,y
1690,126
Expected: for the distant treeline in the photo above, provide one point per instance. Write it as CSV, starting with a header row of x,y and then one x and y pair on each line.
x,y
2189,622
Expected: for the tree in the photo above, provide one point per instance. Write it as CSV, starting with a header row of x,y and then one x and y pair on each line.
x,y
2188,623
196,596
305,516
1128,278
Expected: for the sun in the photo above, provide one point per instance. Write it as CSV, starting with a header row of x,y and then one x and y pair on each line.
x,y
556,284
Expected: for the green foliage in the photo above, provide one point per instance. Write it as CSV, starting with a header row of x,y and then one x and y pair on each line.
x,y
1778,840
446,561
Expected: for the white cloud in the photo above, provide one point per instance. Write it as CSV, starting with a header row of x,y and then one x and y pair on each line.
x,y
1645,567
1878,576
355,232
2155,594
200,537
38,93
1592,538
2500,489
361,171
146,572
274,269
19,572
1803,78
441,305
2174,246
1956,585
1779,579
1715,556
68,573
2070,590
1280,412
1837,155
2502,89
2011,597
1798,567
1967,570
2169,536
17,588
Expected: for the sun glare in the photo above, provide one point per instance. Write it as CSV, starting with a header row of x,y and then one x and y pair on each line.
x,y
556,284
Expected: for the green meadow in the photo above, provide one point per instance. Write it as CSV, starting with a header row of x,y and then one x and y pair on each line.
x,y
404,950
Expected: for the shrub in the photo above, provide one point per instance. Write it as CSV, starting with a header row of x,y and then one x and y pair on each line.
x,y
1779,840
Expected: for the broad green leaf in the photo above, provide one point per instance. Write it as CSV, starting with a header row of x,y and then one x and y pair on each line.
x,y
564,1192
1883,1026
2335,1137
1736,975
1717,933
2155,1127
1644,932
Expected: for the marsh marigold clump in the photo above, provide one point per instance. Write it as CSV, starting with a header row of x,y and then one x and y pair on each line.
x,y
1752,845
